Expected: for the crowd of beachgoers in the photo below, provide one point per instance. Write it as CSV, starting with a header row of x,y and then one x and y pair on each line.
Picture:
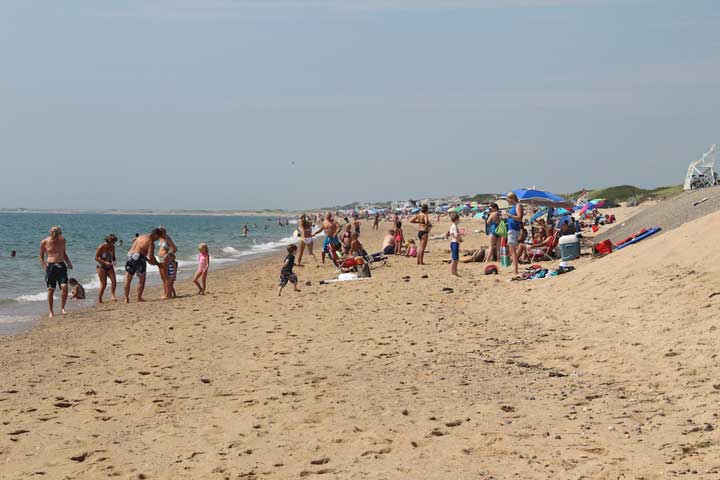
x,y
516,235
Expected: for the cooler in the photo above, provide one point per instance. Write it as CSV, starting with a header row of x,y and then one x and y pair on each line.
x,y
569,247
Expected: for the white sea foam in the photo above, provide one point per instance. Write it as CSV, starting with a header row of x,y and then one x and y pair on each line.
x,y
16,319
37,297
184,266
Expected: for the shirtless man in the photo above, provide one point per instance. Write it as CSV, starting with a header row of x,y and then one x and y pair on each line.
x,y
141,252
56,266
331,243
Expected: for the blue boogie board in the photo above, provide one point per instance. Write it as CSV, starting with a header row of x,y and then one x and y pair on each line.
x,y
652,231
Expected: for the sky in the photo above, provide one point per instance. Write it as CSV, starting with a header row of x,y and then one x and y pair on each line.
x,y
252,104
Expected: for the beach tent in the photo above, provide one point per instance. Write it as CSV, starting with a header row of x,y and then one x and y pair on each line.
x,y
479,215
415,210
541,198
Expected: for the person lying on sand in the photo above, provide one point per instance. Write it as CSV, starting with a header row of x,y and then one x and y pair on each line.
x,y
474,256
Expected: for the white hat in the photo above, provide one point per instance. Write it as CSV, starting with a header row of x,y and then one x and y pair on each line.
x,y
564,264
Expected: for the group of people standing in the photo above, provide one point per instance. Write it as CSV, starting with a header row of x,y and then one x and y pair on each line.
x,y
56,262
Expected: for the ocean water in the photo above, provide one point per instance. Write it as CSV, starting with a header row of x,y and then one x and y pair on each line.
x,y
23,292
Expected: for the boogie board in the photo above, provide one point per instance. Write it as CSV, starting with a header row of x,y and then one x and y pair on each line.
x,y
640,237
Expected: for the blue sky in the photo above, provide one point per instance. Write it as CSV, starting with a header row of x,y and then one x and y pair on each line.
x,y
299,104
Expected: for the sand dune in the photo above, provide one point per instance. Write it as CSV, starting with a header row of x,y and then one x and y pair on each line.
x,y
610,371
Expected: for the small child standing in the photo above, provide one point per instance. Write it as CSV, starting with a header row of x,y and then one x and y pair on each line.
x,y
78,292
286,274
399,238
172,270
203,268
455,239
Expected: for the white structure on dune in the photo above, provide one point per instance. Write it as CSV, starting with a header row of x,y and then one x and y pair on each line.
x,y
701,173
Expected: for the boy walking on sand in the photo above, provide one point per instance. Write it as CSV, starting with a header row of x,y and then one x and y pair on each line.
x,y
455,240
286,274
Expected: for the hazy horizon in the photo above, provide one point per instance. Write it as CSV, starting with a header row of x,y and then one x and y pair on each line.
x,y
248,104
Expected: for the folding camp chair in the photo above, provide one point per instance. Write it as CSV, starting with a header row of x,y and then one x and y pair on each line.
x,y
545,253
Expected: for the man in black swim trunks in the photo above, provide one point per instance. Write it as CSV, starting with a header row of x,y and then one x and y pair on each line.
x,y
141,253
56,266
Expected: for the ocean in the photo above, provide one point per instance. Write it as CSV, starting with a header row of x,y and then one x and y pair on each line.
x,y
23,292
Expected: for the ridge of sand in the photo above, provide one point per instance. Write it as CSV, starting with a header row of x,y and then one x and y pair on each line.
x,y
610,371
668,214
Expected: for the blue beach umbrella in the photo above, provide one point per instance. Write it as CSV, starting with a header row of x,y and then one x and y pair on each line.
x,y
541,198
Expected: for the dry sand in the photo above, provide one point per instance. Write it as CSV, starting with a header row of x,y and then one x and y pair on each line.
x,y
610,371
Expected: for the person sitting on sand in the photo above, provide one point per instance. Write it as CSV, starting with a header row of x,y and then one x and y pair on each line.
x,y
78,292
56,266
105,266
286,274
141,253
411,250
346,238
522,248
388,247
474,256
356,248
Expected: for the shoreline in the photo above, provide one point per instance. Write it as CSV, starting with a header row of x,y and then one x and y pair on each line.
x,y
151,288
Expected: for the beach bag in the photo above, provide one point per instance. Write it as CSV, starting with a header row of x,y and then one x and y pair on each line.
x,y
501,230
603,248
364,271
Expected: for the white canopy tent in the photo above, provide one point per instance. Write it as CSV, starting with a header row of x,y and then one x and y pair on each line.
x,y
701,173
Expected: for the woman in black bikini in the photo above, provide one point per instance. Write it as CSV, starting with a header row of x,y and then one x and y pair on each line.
x,y
105,258
424,226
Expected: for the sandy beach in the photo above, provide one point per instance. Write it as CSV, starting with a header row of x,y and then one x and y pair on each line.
x,y
610,371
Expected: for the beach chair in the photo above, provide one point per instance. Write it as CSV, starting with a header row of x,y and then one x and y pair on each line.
x,y
545,253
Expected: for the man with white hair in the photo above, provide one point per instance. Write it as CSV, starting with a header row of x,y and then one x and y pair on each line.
x,y
56,266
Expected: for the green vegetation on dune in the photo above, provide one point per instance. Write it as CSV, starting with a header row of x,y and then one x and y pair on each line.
x,y
481,198
622,193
